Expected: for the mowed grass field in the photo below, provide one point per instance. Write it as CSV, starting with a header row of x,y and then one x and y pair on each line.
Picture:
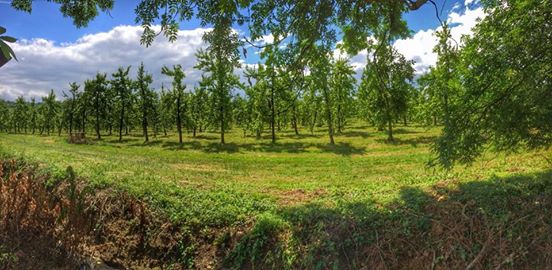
x,y
203,183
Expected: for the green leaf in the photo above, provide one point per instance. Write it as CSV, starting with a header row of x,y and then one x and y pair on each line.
x,y
2,30
8,39
5,51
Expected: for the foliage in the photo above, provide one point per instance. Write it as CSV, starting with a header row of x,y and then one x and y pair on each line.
x,y
385,85
504,84
7,52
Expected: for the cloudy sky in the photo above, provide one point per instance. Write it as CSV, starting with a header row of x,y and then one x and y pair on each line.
x,y
52,52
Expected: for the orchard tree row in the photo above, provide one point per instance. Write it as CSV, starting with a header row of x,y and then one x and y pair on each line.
x,y
490,89
270,100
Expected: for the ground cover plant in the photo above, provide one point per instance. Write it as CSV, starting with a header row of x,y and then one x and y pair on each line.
x,y
285,198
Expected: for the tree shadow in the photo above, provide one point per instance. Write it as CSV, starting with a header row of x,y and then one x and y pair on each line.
x,y
344,149
477,224
341,148
355,133
124,140
405,131
150,143
186,145
414,142
203,136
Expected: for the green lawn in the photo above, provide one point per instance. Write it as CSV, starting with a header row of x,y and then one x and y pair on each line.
x,y
207,184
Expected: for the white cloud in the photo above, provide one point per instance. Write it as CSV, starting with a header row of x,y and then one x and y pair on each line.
x,y
44,65
419,47
469,2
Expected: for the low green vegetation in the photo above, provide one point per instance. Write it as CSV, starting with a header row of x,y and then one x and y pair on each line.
x,y
203,183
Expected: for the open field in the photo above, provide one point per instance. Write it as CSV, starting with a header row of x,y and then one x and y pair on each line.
x,y
211,184
303,204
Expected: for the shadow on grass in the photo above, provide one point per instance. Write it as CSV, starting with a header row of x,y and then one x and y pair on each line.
x,y
284,147
355,133
150,143
405,131
125,140
414,142
497,223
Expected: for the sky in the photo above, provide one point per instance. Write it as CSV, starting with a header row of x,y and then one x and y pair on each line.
x,y
52,52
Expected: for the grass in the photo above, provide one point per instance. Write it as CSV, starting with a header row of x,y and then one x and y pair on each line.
x,y
203,183
305,204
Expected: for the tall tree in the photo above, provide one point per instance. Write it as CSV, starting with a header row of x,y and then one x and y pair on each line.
x,y
342,85
50,110
503,96
33,114
199,107
321,68
386,83
146,97
98,97
177,95
257,98
218,61
20,115
4,116
122,86
72,103
165,109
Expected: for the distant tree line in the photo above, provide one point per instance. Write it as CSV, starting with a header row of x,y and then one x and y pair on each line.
x,y
490,89
270,101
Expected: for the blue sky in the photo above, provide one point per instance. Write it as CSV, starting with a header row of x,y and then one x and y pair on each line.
x,y
53,52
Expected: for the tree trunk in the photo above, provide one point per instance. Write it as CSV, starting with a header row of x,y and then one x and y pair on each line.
x,y
272,113
178,120
83,121
329,115
98,120
221,123
145,126
294,120
390,130
121,119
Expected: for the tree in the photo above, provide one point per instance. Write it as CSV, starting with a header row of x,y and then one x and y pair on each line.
x,y
177,94
321,72
218,62
165,109
199,107
122,86
83,104
50,110
342,84
20,115
4,116
146,98
257,103
312,104
385,83
33,114
503,96
72,103
272,73
98,96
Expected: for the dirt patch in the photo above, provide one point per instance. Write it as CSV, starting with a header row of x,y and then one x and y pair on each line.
x,y
198,167
298,196
65,224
